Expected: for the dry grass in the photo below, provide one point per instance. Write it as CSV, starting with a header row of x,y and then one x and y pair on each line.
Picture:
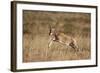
x,y
35,37
37,50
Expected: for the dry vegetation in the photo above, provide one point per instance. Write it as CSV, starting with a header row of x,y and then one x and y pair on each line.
x,y
35,36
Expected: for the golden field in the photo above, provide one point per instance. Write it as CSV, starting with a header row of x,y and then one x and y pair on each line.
x,y
36,36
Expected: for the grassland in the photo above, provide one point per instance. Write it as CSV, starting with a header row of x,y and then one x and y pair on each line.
x,y
35,36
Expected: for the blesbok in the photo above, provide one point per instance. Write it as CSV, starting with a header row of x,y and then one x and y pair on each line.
x,y
56,36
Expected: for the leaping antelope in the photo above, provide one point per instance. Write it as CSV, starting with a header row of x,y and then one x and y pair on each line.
x,y
62,38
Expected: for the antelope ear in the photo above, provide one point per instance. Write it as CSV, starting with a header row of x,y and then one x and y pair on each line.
x,y
49,31
49,27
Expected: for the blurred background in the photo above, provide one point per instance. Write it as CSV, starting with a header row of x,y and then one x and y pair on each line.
x,y
36,35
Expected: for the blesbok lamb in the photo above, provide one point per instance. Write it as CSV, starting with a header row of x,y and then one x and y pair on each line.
x,y
56,36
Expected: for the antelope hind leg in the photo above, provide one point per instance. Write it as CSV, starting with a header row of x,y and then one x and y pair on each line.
x,y
74,46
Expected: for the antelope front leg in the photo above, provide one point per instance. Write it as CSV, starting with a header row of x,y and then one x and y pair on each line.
x,y
50,43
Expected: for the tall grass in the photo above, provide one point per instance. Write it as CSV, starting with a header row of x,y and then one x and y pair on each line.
x,y
36,37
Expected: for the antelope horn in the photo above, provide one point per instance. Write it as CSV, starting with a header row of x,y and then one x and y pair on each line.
x,y
49,29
